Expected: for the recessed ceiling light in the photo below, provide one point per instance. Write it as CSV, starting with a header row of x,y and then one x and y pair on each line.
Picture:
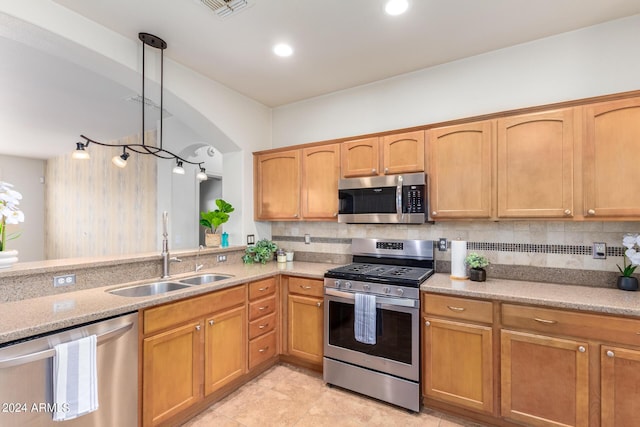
x,y
396,7
283,49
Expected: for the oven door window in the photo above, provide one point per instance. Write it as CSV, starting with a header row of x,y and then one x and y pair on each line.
x,y
393,334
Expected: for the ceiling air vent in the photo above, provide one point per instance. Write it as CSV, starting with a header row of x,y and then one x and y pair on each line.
x,y
226,8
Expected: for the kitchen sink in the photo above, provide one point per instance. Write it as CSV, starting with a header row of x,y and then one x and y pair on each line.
x,y
149,289
205,278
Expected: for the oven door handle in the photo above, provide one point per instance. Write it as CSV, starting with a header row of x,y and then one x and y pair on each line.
x,y
402,302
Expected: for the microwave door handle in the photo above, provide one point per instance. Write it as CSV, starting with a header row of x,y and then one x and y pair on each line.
x,y
399,197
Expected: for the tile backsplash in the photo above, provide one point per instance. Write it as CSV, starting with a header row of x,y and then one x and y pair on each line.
x,y
548,244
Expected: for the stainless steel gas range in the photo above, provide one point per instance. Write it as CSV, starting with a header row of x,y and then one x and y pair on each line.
x,y
371,322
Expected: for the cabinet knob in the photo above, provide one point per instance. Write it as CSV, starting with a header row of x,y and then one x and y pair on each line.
x,y
319,304
581,349
386,170
296,216
434,213
335,214
610,353
211,322
591,212
197,327
373,170
427,323
567,211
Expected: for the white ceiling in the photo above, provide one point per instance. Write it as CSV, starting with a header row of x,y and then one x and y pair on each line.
x,y
338,44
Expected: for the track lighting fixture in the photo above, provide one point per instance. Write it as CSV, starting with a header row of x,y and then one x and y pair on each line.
x,y
201,176
121,161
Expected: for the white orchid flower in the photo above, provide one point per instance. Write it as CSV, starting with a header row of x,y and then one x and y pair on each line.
x,y
15,217
635,258
630,252
629,240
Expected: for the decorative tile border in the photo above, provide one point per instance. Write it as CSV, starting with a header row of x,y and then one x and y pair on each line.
x,y
334,240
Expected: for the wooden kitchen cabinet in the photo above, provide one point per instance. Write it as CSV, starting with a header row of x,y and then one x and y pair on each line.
x,y
535,165
619,379
305,319
320,175
457,353
389,154
277,183
611,158
191,348
263,310
461,170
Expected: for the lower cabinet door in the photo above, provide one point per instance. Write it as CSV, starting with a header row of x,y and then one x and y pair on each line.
x,y
545,380
305,325
620,383
171,372
225,351
457,363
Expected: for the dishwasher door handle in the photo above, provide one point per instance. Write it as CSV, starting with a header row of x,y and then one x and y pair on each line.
x,y
50,352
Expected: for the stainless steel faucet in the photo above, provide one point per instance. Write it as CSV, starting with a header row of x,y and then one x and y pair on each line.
x,y
166,258
199,266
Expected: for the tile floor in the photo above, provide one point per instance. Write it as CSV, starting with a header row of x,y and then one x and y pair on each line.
x,y
288,396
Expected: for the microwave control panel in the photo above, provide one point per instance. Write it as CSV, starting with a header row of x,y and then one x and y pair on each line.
x,y
413,199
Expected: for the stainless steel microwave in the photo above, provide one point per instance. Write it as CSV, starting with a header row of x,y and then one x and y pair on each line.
x,y
389,199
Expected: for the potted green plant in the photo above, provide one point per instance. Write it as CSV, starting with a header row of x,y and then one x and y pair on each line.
x,y
627,282
476,264
261,252
213,220
9,214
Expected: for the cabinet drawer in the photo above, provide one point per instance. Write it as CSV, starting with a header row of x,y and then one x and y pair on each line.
x,y
262,307
164,316
302,286
262,288
583,325
262,325
261,349
457,308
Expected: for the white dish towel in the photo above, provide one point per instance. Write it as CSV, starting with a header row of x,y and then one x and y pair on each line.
x,y
75,379
365,318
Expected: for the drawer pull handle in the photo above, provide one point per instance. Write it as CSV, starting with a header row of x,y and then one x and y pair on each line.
x,y
610,353
319,304
262,350
211,322
305,287
581,349
452,308
263,289
545,321
197,327
263,308
427,323
263,326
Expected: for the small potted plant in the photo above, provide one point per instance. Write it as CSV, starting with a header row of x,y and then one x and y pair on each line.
x,y
476,264
261,252
627,282
213,220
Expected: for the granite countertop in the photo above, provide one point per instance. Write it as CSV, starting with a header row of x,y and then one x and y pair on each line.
x,y
587,298
29,317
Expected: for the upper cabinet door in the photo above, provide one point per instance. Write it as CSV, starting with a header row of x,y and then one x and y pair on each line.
x,y
403,153
611,159
461,170
535,165
360,157
277,185
320,174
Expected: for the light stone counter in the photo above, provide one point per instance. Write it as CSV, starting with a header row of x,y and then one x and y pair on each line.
x,y
29,317
601,300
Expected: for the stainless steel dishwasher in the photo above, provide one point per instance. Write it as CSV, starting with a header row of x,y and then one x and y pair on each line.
x,y
26,376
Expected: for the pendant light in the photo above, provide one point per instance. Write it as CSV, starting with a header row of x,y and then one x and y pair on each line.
x,y
81,152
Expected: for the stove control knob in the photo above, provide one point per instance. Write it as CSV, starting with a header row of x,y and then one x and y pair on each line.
x,y
366,287
400,291
347,285
336,283
386,290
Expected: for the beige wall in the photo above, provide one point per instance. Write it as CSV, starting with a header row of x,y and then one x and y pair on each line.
x,y
94,208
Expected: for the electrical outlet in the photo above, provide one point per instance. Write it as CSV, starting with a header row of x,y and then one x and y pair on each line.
x,y
307,239
222,258
442,244
251,239
66,280
599,250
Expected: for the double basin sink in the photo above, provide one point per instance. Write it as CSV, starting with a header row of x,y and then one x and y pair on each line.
x,y
157,288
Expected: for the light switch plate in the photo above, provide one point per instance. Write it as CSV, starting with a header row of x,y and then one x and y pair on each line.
x,y
599,250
